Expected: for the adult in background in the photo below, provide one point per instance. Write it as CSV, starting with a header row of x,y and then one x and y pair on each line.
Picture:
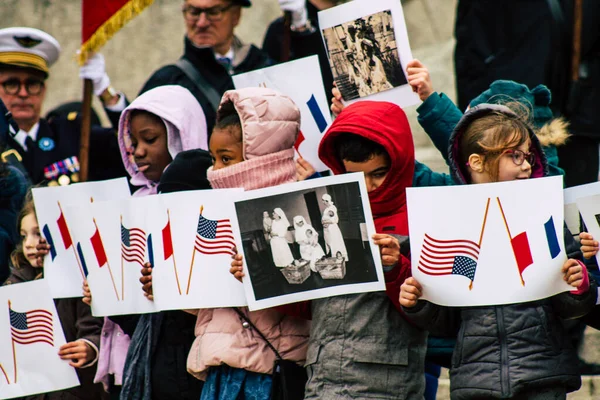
x,y
212,54
305,36
47,151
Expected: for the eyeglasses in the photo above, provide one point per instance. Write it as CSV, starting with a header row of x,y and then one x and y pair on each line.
x,y
13,86
519,157
192,14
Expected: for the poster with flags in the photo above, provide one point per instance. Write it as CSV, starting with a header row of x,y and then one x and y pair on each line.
x,y
573,217
193,241
31,332
63,267
589,207
114,244
475,245
300,80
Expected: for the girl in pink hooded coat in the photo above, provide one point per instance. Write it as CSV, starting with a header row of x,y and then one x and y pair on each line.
x,y
153,129
252,147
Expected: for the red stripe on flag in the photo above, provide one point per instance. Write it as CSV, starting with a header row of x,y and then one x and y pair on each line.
x,y
299,141
64,230
520,245
99,248
167,242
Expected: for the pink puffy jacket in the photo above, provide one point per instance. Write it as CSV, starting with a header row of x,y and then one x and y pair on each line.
x,y
270,125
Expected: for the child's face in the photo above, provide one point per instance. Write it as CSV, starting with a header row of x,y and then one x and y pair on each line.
x,y
375,170
276,216
309,233
30,236
149,140
226,147
300,222
508,170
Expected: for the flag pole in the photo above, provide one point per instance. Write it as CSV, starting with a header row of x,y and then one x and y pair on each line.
x,y
510,238
193,255
122,273
107,263
13,345
487,208
174,263
86,127
72,245
5,374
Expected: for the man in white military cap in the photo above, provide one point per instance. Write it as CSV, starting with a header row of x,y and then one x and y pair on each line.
x,y
47,151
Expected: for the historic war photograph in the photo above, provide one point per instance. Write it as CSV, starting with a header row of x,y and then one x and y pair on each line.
x,y
306,240
363,55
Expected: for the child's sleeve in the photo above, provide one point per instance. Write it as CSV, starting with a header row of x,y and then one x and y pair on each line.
x,y
438,115
88,328
424,176
439,321
578,303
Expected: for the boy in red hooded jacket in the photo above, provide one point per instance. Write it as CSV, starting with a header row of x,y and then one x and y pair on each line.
x,y
360,345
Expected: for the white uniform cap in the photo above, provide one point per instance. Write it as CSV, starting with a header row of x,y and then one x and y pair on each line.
x,y
28,48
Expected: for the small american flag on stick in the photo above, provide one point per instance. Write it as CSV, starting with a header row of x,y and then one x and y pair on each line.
x,y
214,237
449,257
32,327
133,245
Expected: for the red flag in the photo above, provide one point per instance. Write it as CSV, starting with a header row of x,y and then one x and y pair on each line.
x,y
520,245
299,141
167,242
99,248
101,19
64,230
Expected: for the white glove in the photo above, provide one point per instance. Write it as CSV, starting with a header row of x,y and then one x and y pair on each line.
x,y
298,10
95,70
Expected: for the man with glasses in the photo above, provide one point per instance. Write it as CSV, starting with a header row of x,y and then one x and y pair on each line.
x,y
212,53
46,151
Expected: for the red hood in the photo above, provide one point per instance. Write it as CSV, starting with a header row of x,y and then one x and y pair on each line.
x,y
386,124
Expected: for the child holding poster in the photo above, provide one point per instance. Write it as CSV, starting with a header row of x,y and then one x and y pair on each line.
x,y
370,350
491,143
82,331
252,147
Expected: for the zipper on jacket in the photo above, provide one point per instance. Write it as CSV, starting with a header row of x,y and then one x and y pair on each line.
x,y
504,378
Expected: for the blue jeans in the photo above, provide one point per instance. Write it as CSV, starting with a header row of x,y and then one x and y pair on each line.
x,y
227,383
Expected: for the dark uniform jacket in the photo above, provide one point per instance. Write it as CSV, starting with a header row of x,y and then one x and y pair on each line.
x,y
247,58
60,139
302,44
77,323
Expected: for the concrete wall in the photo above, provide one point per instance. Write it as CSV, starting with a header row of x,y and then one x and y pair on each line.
x,y
155,38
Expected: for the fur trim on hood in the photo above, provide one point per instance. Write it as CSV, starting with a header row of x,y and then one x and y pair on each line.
x,y
554,133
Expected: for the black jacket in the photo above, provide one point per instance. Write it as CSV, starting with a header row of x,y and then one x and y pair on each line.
x,y
218,76
508,39
61,138
302,44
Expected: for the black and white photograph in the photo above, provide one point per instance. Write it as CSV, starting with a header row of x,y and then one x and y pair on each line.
x,y
306,240
363,55
368,48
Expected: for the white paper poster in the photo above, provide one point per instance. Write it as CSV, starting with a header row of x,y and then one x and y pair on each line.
x,y
488,244
368,49
194,240
589,207
301,80
114,247
31,335
572,195
304,241
62,267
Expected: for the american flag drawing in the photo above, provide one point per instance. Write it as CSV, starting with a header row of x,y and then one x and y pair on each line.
x,y
449,257
32,327
133,245
214,237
